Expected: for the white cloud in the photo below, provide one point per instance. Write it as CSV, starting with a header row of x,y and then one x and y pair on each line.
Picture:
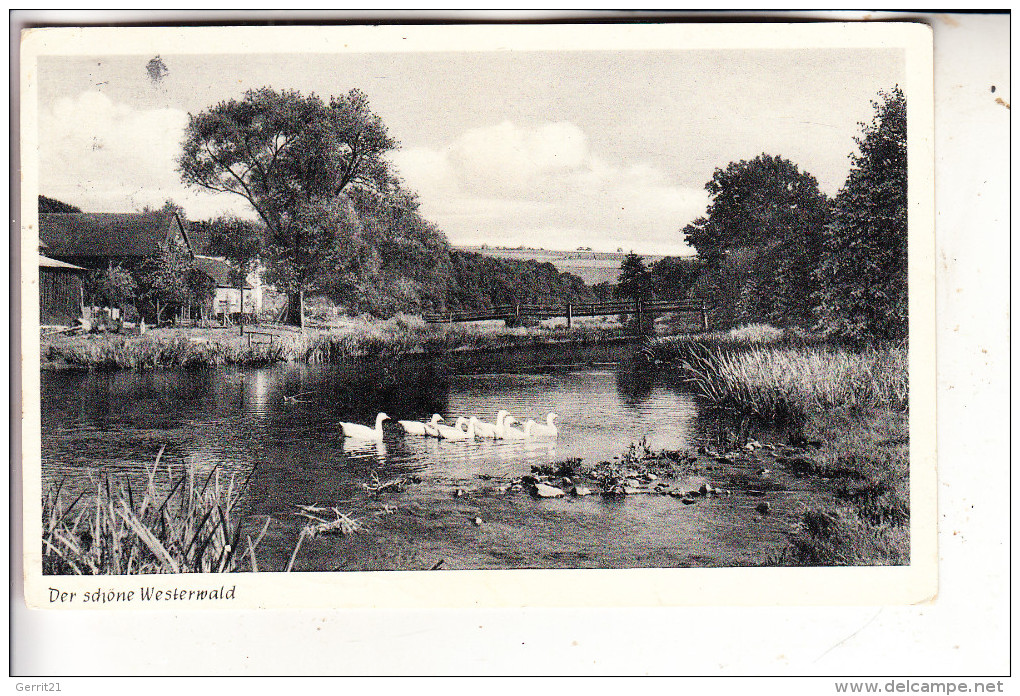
x,y
544,186
501,184
105,156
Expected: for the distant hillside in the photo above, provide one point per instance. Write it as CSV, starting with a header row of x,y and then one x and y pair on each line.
x,y
591,266
52,205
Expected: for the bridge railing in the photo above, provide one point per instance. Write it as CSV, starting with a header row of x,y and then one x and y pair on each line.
x,y
571,310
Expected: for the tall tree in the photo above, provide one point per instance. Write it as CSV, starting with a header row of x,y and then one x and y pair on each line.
x,y
672,277
863,274
635,283
290,156
761,238
635,280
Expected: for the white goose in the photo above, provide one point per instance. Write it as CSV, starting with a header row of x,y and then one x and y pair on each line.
x,y
363,432
448,433
547,429
499,429
444,429
483,429
416,428
432,429
510,433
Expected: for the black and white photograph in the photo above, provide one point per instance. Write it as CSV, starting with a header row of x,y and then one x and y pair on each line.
x,y
383,305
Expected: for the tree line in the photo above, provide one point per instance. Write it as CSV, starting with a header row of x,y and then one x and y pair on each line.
x,y
773,248
332,218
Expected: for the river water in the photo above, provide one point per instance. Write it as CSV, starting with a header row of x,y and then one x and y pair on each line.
x,y
237,419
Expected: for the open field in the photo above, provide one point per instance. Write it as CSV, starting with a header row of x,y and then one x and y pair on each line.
x,y
591,266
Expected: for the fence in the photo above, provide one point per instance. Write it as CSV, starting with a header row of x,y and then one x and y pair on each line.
x,y
571,310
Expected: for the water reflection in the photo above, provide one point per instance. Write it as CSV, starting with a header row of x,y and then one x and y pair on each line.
x,y
365,448
634,384
238,419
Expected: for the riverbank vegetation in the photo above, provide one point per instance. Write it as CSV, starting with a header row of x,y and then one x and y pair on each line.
x,y
774,251
361,339
844,411
177,522
773,248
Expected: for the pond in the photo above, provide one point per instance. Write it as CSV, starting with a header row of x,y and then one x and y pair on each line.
x,y
459,515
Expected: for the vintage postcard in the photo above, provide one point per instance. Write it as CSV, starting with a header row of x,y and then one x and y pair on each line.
x,y
427,316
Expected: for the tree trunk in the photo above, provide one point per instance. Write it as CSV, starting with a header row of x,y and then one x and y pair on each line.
x,y
295,307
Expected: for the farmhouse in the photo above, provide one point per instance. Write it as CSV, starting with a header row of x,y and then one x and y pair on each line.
x,y
96,241
228,298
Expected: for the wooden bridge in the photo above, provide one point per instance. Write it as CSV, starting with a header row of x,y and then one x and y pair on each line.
x,y
518,311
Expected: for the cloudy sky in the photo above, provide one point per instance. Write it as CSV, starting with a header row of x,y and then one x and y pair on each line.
x,y
546,149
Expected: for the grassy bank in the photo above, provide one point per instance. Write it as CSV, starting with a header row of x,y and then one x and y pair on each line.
x,y
851,405
187,348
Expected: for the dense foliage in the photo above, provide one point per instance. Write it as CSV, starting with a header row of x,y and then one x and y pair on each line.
x,y
336,221
481,282
635,280
774,249
293,158
674,276
114,286
760,240
171,280
863,273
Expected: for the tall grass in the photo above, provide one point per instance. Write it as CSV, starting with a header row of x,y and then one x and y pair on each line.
x,y
377,339
177,524
118,352
853,402
778,383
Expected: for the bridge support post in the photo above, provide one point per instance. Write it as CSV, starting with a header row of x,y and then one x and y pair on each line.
x,y
704,315
638,313
570,315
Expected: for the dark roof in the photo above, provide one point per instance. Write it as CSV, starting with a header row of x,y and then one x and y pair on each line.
x,y
217,269
104,234
45,262
198,233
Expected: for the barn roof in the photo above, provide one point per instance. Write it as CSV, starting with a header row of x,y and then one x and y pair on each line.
x,y
45,262
198,233
218,269
105,234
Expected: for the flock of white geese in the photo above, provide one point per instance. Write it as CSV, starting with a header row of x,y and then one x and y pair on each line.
x,y
463,428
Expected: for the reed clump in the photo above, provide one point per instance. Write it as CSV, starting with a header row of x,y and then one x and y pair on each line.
x,y
118,352
179,523
778,383
778,374
852,400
